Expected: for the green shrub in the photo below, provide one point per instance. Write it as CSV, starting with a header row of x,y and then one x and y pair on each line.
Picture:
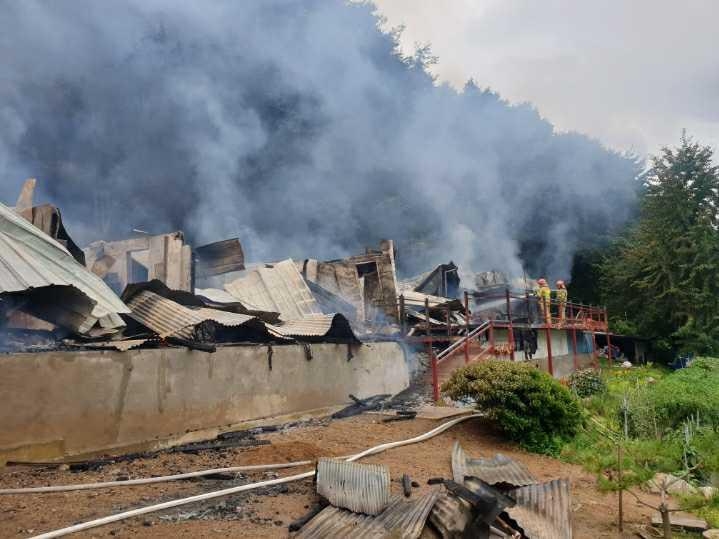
x,y
660,408
528,405
586,383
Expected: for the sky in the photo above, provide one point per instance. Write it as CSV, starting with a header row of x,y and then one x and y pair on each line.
x,y
631,73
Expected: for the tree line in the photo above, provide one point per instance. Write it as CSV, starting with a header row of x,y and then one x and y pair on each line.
x,y
660,277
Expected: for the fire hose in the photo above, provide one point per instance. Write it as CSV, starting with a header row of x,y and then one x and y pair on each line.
x,y
232,490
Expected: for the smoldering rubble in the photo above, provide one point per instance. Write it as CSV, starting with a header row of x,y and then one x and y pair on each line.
x,y
158,290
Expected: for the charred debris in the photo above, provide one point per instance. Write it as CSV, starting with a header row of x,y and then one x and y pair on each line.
x,y
486,498
156,291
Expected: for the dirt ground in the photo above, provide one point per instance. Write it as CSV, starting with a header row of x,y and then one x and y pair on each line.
x,y
268,513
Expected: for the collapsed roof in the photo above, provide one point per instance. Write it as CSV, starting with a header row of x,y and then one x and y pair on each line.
x,y
40,276
276,287
190,318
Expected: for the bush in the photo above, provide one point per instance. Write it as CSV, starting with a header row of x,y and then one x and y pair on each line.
x,y
586,383
529,406
660,408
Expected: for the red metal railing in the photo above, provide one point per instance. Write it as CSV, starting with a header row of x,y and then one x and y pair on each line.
x,y
560,315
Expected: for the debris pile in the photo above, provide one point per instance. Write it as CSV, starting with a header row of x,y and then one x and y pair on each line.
x,y
495,497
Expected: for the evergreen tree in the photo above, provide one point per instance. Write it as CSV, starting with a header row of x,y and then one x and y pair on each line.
x,y
663,279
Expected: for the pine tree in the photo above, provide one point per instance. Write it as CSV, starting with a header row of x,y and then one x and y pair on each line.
x,y
664,276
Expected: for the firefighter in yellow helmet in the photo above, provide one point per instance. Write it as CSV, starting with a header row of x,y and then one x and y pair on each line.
x,y
562,300
545,297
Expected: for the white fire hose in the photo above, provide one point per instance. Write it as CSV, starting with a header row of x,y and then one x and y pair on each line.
x,y
224,492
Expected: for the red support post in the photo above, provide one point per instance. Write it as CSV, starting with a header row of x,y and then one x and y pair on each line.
x,y
574,338
550,365
510,329
432,357
466,323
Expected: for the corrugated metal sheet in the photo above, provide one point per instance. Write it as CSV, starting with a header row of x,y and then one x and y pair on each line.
x,y
318,326
217,295
450,515
361,488
402,519
31,259
167,318
277,287
494,471
543,511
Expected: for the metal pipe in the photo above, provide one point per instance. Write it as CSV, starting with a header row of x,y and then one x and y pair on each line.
x,y
402,317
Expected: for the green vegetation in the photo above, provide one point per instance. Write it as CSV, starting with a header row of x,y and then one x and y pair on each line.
x,y
661,421
528,405
625,425
660,279
586,383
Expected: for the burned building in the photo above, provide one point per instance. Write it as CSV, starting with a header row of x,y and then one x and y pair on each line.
x,y
367,281
164,257
442,281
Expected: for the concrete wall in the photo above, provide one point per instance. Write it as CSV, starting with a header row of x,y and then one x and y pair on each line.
x,y
67,403
563,366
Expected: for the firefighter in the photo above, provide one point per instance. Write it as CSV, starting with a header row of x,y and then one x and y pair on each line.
x,y
545,297
562,300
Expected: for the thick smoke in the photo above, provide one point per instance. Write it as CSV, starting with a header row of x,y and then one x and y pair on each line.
x,y
293,125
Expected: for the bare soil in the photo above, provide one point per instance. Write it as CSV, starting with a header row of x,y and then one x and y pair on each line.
x,y
268,513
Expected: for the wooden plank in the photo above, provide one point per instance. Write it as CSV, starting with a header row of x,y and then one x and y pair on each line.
x,y
682,520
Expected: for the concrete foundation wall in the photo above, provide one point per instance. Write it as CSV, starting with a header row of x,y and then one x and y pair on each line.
x,y
68,403
563,366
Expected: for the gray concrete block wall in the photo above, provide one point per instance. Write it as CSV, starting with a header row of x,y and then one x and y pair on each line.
x,y
68,403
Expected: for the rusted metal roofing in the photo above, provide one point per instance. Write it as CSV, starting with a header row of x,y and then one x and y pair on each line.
x,y
494,471
167,318
276,287
543,511
30,259
320,327
402,519
361,488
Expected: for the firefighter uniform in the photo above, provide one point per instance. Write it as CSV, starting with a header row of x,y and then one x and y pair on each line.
x,y
562,300
545,298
